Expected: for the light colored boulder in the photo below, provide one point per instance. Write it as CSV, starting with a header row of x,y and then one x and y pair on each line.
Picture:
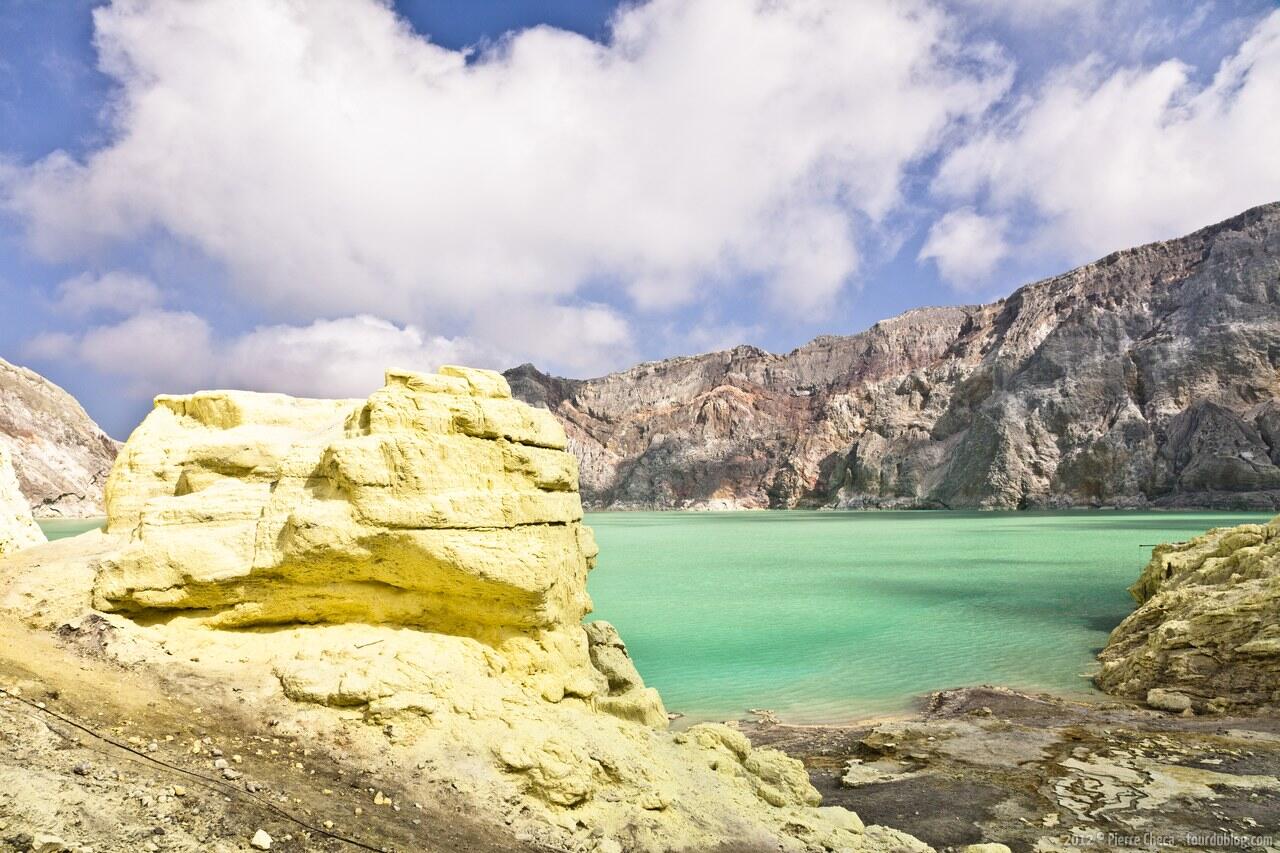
x,y
1168,700
18,529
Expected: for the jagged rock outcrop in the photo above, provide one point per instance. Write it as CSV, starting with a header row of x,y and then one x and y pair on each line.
x,y
1145,378
60,455
18,529
1206,632
404,578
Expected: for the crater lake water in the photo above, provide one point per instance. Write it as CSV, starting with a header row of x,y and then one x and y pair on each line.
x,y
837,616
62,528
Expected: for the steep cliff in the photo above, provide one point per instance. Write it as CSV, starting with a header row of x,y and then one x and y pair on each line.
x,y
1147,377
399,583
1206,632
60,455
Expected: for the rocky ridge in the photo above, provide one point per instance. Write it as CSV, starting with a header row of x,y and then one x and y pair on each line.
x,y
60,455
1145,378
398,582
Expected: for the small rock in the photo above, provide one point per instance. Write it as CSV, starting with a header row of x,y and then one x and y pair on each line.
x,y
1168,700
46,843
228,773
260,840
82,769
220,764
986,848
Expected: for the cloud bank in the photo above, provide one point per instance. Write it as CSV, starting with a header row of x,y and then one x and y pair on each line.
x,y
179,351
1109,158
336,163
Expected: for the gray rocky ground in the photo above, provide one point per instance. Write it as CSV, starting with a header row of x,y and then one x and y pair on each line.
x,y
1046,774
1145,378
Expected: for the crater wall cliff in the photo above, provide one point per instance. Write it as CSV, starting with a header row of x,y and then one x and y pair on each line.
x,y
1148,377
60,455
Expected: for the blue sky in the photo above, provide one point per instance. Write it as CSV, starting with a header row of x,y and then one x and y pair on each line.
x,y
290,197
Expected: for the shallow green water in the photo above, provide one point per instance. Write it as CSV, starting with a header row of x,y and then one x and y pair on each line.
x,y
830,616
62,528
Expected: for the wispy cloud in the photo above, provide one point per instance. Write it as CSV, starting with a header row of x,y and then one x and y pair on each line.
x,y
1105,158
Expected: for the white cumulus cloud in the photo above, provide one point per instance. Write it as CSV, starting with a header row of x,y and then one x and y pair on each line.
x,y
113,292
966,246
1109,158
337,163
159,351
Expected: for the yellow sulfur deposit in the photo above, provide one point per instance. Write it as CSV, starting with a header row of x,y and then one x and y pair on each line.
x,y
17,529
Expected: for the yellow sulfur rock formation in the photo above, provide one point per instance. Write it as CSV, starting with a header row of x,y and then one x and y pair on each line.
x,y
407,576
17,529
1206,633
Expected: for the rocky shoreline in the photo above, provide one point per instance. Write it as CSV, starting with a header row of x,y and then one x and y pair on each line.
x,y
1046,774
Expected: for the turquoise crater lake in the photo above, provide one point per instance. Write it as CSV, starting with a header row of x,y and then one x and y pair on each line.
x,y
835,616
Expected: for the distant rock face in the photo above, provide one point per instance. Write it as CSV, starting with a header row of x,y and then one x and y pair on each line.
x,y
1206,633
438,503
1146,378
17,529
60,455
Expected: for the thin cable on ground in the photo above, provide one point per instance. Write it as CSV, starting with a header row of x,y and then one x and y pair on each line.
x,y
208,782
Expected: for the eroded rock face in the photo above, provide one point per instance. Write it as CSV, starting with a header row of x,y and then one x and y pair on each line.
x,y
60,455
17,528
1145,378
1206,633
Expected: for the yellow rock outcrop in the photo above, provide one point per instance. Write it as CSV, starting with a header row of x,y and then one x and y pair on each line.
x,y
406,576
17,528
1206,632
439,503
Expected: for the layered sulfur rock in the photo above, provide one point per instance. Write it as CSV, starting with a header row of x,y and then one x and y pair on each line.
x,y
408,574
17,529
439,503
1206,633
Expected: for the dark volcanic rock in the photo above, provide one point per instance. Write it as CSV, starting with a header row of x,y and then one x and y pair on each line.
x,y
1145,378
